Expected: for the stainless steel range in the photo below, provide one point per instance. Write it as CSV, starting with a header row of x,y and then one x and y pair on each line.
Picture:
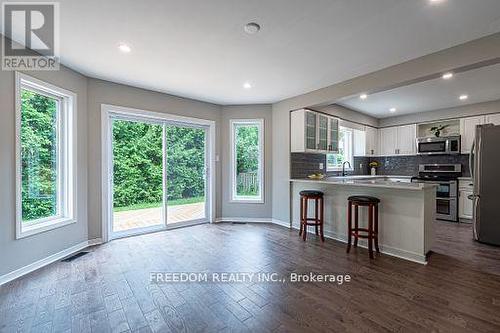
x,y
446,177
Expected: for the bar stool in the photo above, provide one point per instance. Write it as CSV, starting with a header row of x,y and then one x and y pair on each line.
x,y
317,196
371,233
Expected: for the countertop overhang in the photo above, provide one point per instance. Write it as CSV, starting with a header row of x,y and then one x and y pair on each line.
x,y
390,182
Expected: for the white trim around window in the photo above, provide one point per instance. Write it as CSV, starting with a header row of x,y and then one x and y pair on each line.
x,y
66,156
233,124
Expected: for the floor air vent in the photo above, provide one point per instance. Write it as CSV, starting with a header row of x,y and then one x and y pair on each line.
x,y
239,223
75,256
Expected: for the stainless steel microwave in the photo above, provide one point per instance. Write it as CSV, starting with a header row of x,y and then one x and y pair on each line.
x,y
434,146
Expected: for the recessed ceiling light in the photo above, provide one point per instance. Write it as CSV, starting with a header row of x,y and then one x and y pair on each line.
x,y
247,85
392,110
463,97
251,28
447,76
125,48
436,1
363,96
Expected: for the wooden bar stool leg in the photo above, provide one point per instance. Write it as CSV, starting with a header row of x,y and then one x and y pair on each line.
x,y
301,215
304,231
370,230
356,226
349,226
321,219
316,215
376,229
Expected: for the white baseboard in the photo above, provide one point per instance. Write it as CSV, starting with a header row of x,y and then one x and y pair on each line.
x,y
244,219
281,223
391,251
95,241
48,260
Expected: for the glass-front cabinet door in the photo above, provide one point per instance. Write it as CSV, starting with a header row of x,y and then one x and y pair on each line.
x,y
333,134
322,132
311,123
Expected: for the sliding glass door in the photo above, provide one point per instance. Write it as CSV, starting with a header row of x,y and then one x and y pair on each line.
x,y
186,174
158,175
138,194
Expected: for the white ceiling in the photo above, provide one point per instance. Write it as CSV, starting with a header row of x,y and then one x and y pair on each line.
x,y
481,85
197,48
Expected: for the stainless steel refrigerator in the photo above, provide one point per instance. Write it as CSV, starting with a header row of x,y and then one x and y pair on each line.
x,y
485,171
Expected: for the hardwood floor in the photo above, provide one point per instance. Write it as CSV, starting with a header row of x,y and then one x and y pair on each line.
x,y
108,290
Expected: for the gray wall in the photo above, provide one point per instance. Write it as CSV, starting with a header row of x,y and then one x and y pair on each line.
x,y
15,254
449,113
104,92
251,210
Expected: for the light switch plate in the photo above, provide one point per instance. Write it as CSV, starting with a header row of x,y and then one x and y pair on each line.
x,y
321,166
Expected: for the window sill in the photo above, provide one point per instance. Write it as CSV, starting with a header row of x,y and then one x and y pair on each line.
x,y
38,228
338,169
246,201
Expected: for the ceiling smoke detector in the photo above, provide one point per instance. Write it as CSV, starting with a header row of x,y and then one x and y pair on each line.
x,y
251,28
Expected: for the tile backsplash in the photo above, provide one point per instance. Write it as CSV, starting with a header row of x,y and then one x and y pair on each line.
x,y
304,164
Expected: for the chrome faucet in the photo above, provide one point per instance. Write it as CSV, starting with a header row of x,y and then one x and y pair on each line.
x,y
343,167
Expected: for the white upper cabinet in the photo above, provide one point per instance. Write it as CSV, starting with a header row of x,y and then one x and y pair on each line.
x,y
387,140
313,132
406,139
468,131
398,140
493,119
371,137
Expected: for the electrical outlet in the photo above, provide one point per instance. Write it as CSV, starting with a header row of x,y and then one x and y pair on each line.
x,y
321,166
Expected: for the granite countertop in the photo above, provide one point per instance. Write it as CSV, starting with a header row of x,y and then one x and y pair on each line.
x,y
370,181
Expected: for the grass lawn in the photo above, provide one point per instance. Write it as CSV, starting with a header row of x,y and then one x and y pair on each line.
x,y
176,202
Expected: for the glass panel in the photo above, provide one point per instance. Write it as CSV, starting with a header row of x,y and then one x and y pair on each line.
x,y
247,161
137,175
323,133
443,207
443,190
185,174
39,157
334,133
310,130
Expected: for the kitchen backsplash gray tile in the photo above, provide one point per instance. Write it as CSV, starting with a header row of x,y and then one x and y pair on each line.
x,y
304,164
408,165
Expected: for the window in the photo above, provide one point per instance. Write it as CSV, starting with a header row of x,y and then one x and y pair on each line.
x,y
45,151
334,161
247,160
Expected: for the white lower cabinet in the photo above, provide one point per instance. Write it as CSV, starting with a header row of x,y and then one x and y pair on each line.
x,y
465,188
465,205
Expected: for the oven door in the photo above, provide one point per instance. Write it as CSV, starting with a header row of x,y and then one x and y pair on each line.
x,y
446,189
446,209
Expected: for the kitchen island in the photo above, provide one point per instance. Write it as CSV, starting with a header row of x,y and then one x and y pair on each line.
x,y
406,211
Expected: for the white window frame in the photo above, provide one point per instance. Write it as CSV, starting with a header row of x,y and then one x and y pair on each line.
x,y
351,148
247,199
67,152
